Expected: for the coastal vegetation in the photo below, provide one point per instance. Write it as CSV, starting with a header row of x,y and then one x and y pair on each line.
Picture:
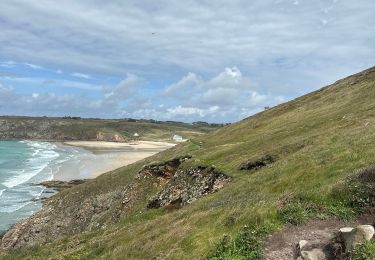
x,y
321,146
76,128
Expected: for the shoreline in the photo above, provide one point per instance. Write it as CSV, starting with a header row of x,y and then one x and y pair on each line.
x,y
98,157
78,162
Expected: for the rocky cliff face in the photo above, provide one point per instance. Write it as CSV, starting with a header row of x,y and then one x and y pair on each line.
x,y
100,136
187,185
59,217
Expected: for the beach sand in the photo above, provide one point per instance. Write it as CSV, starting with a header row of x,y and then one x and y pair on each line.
x,y
97,157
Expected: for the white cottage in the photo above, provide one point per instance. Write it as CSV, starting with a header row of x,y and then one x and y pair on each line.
x,y
177,138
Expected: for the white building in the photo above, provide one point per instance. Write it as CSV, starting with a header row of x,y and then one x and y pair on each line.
x,y
177,138
136,137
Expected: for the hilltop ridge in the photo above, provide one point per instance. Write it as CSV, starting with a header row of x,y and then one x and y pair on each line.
x,y
75,128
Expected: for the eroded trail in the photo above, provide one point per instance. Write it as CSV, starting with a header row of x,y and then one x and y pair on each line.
x,y
282,245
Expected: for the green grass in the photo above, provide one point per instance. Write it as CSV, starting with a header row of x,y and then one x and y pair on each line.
x,y
246,245
366,251
320,140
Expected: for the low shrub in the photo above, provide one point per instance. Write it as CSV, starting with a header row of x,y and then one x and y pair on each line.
x,y
246,245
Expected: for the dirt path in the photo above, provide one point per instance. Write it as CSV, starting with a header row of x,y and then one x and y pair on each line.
x,y
282,244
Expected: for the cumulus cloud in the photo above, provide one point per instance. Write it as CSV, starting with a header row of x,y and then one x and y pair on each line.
x,y
51,104
188,111
225,97
7,96
184,86
124,90
227,93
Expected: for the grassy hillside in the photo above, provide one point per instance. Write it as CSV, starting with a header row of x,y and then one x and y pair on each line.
x,y
318,140
89,129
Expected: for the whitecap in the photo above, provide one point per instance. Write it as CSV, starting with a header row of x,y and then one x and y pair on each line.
x,y
20,177
42,155
1,192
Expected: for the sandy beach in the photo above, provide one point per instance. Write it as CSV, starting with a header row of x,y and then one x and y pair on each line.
x,y
97,157
115,145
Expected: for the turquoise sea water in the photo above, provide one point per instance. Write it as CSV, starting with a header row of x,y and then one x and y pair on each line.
x,y
23,164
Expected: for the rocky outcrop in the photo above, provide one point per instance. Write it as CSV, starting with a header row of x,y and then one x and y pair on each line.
x,y
258,163
351,237
340,247
187,185
163,171
110,137
61,185
182,186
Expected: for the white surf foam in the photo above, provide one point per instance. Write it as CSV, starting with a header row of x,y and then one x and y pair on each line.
x,y
1,192
42,155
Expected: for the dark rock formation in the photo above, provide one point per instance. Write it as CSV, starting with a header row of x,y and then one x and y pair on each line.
x,y
258,163
187,185
163,170
61,185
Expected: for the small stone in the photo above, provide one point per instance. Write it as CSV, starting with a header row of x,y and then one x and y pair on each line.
x,y
315,254
346,230
302,244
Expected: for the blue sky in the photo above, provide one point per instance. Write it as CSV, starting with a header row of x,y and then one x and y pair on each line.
x,y
217,61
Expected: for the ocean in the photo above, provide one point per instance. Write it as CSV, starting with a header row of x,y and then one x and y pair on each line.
x,y
23,165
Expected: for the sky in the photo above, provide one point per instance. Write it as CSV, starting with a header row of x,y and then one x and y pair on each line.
x,y
215,61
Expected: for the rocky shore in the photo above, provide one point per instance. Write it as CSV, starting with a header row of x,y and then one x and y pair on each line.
x,y
59,216
61,185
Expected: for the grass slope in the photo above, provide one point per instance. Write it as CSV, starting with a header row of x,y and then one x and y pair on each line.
x,y
319,139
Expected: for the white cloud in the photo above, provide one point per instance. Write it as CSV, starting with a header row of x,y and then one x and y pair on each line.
x,y
189,111
124,90
228,95
53,83
225,97
33,66
51,104
184,86
7,64
81,75
228,88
